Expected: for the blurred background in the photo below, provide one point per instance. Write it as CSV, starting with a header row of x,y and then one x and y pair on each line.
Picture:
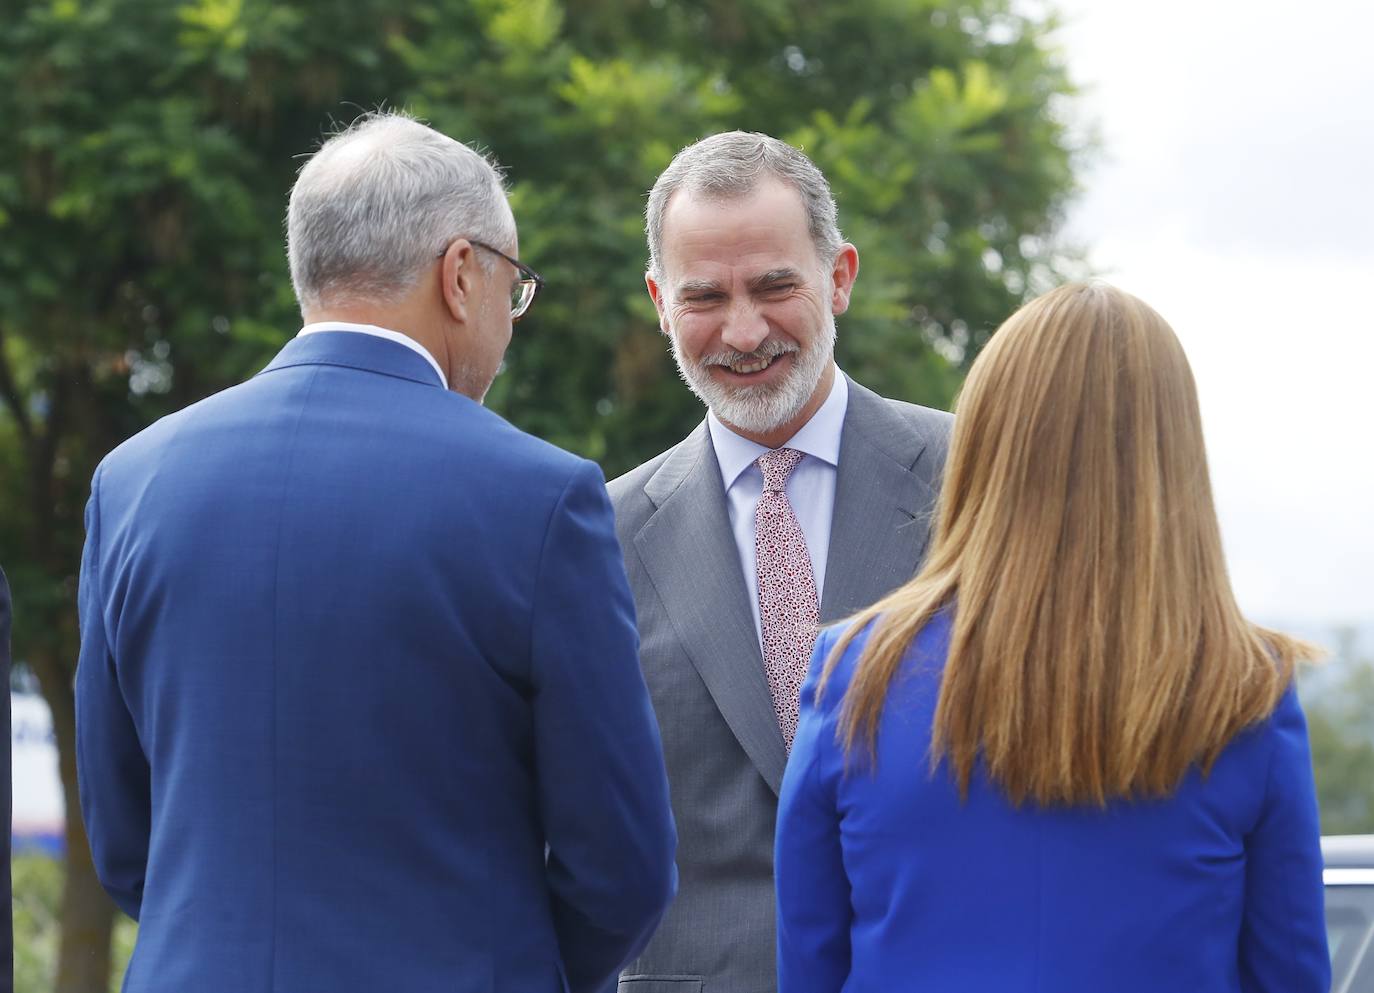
x,y
1214,159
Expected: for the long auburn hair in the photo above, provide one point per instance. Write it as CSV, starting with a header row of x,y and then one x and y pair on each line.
x,y
1097,650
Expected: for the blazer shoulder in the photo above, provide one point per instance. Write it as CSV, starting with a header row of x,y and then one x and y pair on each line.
x,y
1283,732
517,446
829,637
928,648
913,435
133,454
627,490
939,420
934,425
443,431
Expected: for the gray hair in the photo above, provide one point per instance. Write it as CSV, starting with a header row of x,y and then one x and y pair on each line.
x,y
376,204
730,165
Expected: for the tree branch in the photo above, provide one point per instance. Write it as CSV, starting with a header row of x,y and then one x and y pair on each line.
x,y
10,394
44,466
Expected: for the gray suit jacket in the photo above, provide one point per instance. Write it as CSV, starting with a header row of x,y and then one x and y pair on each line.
x,y
701,659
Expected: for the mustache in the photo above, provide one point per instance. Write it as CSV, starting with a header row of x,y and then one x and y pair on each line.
x,y
771,348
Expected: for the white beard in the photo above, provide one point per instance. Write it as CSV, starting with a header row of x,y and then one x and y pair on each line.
x,y
766,407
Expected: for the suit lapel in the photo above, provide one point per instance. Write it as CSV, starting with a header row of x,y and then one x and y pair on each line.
x,y
881,520
688,550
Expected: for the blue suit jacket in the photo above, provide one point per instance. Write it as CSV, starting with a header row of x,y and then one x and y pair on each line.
x,y
886,881
359,705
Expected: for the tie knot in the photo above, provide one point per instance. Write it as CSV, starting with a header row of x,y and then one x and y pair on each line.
x,y
776,466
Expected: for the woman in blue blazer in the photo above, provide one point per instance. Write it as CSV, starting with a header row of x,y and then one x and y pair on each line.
x,y
1059,759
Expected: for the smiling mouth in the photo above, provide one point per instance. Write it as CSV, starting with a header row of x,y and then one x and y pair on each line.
x,y
751,366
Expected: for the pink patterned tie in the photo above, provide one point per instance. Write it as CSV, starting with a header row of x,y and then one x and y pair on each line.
x,y
788,606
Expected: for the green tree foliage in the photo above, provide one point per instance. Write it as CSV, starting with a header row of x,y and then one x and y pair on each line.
x,y
148,149
37,901
1340,724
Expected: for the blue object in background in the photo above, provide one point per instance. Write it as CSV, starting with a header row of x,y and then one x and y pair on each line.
x,y
38,824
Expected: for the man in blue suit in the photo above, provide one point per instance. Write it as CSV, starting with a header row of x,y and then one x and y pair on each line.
x,y
359,706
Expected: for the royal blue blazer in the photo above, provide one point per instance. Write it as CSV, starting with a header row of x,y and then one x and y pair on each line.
x,y
359,706
886,881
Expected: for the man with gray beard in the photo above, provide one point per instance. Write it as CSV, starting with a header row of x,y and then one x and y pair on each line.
x,y
801,498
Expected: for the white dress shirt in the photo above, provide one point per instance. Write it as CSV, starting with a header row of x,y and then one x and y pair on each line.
x,y
810,489
377,332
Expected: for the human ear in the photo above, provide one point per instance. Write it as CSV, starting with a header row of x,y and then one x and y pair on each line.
x,y
456,278
842,276
660,303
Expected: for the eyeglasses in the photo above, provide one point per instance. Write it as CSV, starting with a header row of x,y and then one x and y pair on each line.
x,y
523,292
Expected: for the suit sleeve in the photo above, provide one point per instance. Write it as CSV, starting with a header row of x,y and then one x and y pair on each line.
x,y
1283,934
603,789
112,770
814,909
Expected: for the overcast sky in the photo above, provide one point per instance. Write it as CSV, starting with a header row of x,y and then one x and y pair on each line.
x,y
1234,193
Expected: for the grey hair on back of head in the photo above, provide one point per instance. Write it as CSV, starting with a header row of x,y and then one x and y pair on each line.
x,y
731,165
375,205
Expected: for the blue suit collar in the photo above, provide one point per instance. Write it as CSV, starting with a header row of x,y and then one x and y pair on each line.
x,y
355,351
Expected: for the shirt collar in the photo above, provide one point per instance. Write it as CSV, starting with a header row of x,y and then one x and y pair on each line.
x,y
372,329
818,437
